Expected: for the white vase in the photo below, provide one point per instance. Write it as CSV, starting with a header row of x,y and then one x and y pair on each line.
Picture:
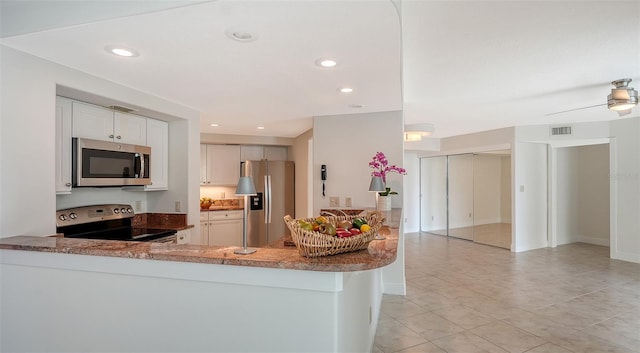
x,y
384,203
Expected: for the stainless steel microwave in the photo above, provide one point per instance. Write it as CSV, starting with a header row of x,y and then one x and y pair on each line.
x,y
102,163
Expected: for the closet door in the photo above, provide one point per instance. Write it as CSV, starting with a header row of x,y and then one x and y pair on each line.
x,y
461,196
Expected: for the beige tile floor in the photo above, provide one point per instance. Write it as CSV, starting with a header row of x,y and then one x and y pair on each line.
x,y
496,234
470,298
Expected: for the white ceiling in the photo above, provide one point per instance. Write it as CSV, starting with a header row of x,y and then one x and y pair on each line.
x,y
467,66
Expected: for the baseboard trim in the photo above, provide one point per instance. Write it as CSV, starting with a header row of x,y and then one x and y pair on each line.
x,y
593,240
394,288
624,256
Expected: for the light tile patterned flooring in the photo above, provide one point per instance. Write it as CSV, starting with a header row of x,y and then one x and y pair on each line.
x,y
471,298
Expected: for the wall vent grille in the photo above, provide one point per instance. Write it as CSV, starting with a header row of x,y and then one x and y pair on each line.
x,y
561,130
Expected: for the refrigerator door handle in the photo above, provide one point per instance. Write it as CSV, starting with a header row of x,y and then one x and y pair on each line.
x,y
267,197
269,210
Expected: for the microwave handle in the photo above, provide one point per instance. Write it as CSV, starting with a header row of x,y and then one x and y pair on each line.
x,y
139,165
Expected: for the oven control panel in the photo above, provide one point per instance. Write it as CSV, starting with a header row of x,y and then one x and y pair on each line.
x,y
88,214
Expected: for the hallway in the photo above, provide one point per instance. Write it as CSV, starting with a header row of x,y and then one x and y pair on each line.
x,y
471,298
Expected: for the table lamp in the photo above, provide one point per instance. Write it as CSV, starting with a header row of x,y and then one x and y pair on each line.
x,y
245,188
376,186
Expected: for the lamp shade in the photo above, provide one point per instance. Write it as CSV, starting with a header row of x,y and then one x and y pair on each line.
x,y
245,186
376,184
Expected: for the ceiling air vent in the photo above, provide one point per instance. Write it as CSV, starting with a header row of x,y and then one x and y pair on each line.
x,y
121,108
560,130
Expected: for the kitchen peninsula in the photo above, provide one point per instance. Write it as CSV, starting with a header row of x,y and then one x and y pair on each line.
x,y
191,298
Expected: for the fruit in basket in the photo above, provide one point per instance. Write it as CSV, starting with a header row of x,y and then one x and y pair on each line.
x,y
344,224
305,225
365,228
358,222
321,219
328,228
355,231
343,233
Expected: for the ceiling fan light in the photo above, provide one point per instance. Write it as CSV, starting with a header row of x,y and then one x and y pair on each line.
x,y
622,101
622,97
622,105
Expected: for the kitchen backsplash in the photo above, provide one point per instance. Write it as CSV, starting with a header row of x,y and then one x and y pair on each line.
x,y
218,192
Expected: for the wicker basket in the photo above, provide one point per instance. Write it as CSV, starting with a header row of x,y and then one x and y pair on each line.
x,y
314,244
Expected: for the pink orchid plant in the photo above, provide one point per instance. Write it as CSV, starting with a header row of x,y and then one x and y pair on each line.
x,y
381,167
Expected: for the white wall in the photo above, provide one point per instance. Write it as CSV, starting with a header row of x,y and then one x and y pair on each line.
x,y
28,90
530,196
625,189
300,151
346,144
412,192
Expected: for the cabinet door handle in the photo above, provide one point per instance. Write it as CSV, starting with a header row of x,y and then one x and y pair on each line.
x,y
118,137
110,136
67,184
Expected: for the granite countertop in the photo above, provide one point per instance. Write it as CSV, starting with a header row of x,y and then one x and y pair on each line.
x,y
222,208
379,253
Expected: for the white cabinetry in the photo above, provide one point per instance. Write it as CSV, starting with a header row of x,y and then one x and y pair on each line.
x,y
221,228
251,153
183,236
256,153
96,123
275,153
63,145
219,164
158,139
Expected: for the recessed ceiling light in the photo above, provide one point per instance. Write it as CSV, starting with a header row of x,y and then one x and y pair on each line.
x,y
121,51
356,106
345,89
214,125
260,127
241,35
326,63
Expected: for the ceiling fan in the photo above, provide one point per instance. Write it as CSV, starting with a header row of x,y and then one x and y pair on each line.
x,y
622,99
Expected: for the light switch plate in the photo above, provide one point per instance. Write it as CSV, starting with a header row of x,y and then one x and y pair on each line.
x,y
334,201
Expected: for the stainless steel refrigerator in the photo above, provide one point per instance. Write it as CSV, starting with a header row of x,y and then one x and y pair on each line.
x,y
274,181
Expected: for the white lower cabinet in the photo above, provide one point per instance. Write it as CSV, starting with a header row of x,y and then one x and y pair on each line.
x,y
183,236
221,228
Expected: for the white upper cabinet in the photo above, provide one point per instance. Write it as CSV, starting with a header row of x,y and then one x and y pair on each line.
x,y
131,129
157,136
256,153
275,153
92,122
63,145
97,123
251,153
220,164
